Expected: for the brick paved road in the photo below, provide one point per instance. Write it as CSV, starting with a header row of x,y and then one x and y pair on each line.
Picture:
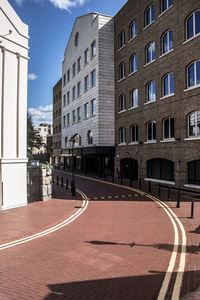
x,y
119,248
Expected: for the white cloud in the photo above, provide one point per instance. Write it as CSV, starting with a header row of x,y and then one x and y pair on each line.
x,y
19,2
41,114
62,4
32,76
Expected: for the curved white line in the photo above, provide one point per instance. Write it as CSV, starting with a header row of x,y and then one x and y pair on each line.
x,y
52,229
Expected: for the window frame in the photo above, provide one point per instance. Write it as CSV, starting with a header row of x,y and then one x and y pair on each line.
x,y
153,48
86,110
168,75
93,105
194,25
122,135
152,131
135,128
93,78
149,8
122,70
121,39
133,62
197,136
93,53
168,6
195,74
150,83
86,82
133,25
122,99
167,33
86,56
133,100
169,129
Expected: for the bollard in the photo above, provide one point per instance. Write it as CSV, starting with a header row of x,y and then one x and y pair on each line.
x,y
57,180
66,184
105,176
121,179
62,182
169,194
113,179
178,199
192,209
149,186
159,190
140,184
131,182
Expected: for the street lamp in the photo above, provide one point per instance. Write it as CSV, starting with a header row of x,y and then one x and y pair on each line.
x,y
73,186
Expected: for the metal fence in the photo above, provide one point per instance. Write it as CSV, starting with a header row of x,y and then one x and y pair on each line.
x,y
33,184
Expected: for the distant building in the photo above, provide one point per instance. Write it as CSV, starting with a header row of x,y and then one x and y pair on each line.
x,y
13,108
57,117
88,94
45,130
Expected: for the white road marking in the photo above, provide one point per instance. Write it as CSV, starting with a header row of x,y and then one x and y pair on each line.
x,y
52,229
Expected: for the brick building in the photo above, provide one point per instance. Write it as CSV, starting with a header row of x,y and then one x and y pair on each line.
x,y
57,112
157,84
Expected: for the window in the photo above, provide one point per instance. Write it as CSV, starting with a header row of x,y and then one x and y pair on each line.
x,y
151,131
133,64
66,142
90,137
150,52
133,30
149,15
194,124
168,84
68,120
93,107
194,74
78,114
194,172
165,4
167,42
134,133
122,71
64,100
122,102
68,75
79,64
64,117
74,69
121,39
122,135
93,78
76,40
193,25
93,49
134,98
168,128
86,81
161,169
151,91
64,80
86,56
68,97
74,93
79,89
73,116
86,110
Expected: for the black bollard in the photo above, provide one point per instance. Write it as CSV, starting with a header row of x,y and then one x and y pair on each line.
x,y
105,178
169,193
113,178
57,180
159,190
66,184
140,184
192,209
121,179
178,199
149,186
131,182
62,182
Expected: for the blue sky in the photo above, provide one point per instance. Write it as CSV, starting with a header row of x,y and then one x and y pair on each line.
x,y
50,24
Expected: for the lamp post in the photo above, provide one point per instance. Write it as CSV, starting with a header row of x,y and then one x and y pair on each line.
x,y
73,185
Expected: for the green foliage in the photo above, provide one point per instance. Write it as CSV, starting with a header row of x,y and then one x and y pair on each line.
x,y
47,165
34,140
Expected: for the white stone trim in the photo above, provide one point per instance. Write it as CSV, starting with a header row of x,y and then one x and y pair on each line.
x,y
149,63
165,11
149,102
148,25
194,186
167,96
151,142
162,55
121,111
192,138
122,144
192,87
133,107
192,38
168,140
133,143
160,181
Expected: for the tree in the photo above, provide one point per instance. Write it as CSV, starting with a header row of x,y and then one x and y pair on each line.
x,y
34,140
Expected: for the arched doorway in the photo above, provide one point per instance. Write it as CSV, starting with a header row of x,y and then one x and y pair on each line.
x,y
129,168
160,168
194,172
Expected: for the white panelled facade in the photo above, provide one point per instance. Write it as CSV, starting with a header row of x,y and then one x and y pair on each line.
x,y
13,108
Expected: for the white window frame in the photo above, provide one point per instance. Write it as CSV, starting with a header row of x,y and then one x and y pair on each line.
x,y
151,21
133,25
93,49
168,41
78,114
93,103
147,47
151,140
123,66
134,98
163,85
93,82
147,91
194,23
86,112
133,58
135,126
122,38
195,74
122,99
196,127
122,138
170,137
162,9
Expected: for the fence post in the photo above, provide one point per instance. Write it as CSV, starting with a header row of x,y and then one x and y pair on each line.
x,y
192,209
121,179
62,182
169,193
159,190
131,182
178,199
105,178
149,186
140,184
66,184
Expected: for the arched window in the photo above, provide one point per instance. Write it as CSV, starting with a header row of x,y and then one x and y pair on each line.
x,y
133,63
151,91
194,172
149,15
193,74
121,39
165,4
193,25
134,98
133,30
77,139
150,52
168,84
66,142
159,168
151,131
90,137
122,102
194,124
122,135
122,70
134,133
167,42
168,128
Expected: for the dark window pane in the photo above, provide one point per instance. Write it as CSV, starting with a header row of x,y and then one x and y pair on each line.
x,y
198,71
172,83
191,75
192,125
166,129
170,3
164,5
190,29
148,17
170,39
165,44
166,90
153,51
152,13
197,22
149,131
154,130
172,128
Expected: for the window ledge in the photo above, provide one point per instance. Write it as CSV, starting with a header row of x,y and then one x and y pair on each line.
x,y
129,41
132,73
121,48
160,181
122,144
192,38
192,138
149,102
121,79
192,88
164,11
167,96
133,107
133,143
164,54
148,25
121,111
194,186
149,63
151,142
168,140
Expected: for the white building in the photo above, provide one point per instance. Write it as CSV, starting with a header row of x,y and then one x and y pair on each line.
x,y
13,107
45,130
88,93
